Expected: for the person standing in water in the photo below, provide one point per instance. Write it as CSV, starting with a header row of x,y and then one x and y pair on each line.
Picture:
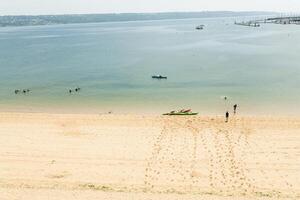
x,y
227,116
234,108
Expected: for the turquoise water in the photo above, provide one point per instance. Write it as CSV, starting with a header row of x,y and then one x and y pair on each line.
x,y
257,68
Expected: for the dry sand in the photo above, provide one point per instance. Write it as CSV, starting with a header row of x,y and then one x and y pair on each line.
x,y
52,156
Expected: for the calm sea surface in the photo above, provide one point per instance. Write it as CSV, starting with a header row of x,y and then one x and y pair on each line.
x,y
257,68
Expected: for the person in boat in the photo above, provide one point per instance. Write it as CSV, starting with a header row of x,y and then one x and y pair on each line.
x,y
227,116
234,108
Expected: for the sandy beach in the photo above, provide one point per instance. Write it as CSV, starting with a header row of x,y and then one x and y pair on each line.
x,y
61,156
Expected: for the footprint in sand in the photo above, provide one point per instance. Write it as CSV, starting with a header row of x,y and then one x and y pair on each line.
x,y
58,175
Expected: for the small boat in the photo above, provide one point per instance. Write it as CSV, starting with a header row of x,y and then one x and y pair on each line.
x,y
181,112
200,27
159,77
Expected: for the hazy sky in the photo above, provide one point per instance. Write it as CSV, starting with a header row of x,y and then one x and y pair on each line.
x,y
8,7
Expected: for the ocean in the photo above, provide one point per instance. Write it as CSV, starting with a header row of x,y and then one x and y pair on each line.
x,y
112,63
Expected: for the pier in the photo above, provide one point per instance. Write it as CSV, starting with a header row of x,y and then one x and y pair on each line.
x,y
273,20
248,23
284,20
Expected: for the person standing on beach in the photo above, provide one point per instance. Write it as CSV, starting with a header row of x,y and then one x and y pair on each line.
x,y
234,108
227,116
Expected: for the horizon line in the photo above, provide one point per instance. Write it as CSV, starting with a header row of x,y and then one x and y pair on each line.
x,y
159,12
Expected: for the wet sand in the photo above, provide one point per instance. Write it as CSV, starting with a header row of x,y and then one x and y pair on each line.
x,y
60,156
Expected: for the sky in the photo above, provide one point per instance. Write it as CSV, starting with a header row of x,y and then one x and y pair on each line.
x,y
34,7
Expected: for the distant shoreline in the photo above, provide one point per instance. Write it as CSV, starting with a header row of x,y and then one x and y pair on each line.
x,y
38,20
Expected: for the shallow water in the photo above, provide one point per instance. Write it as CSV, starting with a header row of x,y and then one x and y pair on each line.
x,y
257,68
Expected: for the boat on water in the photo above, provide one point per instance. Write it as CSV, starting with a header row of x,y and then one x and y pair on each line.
x,y
159,77
200,27
182,113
